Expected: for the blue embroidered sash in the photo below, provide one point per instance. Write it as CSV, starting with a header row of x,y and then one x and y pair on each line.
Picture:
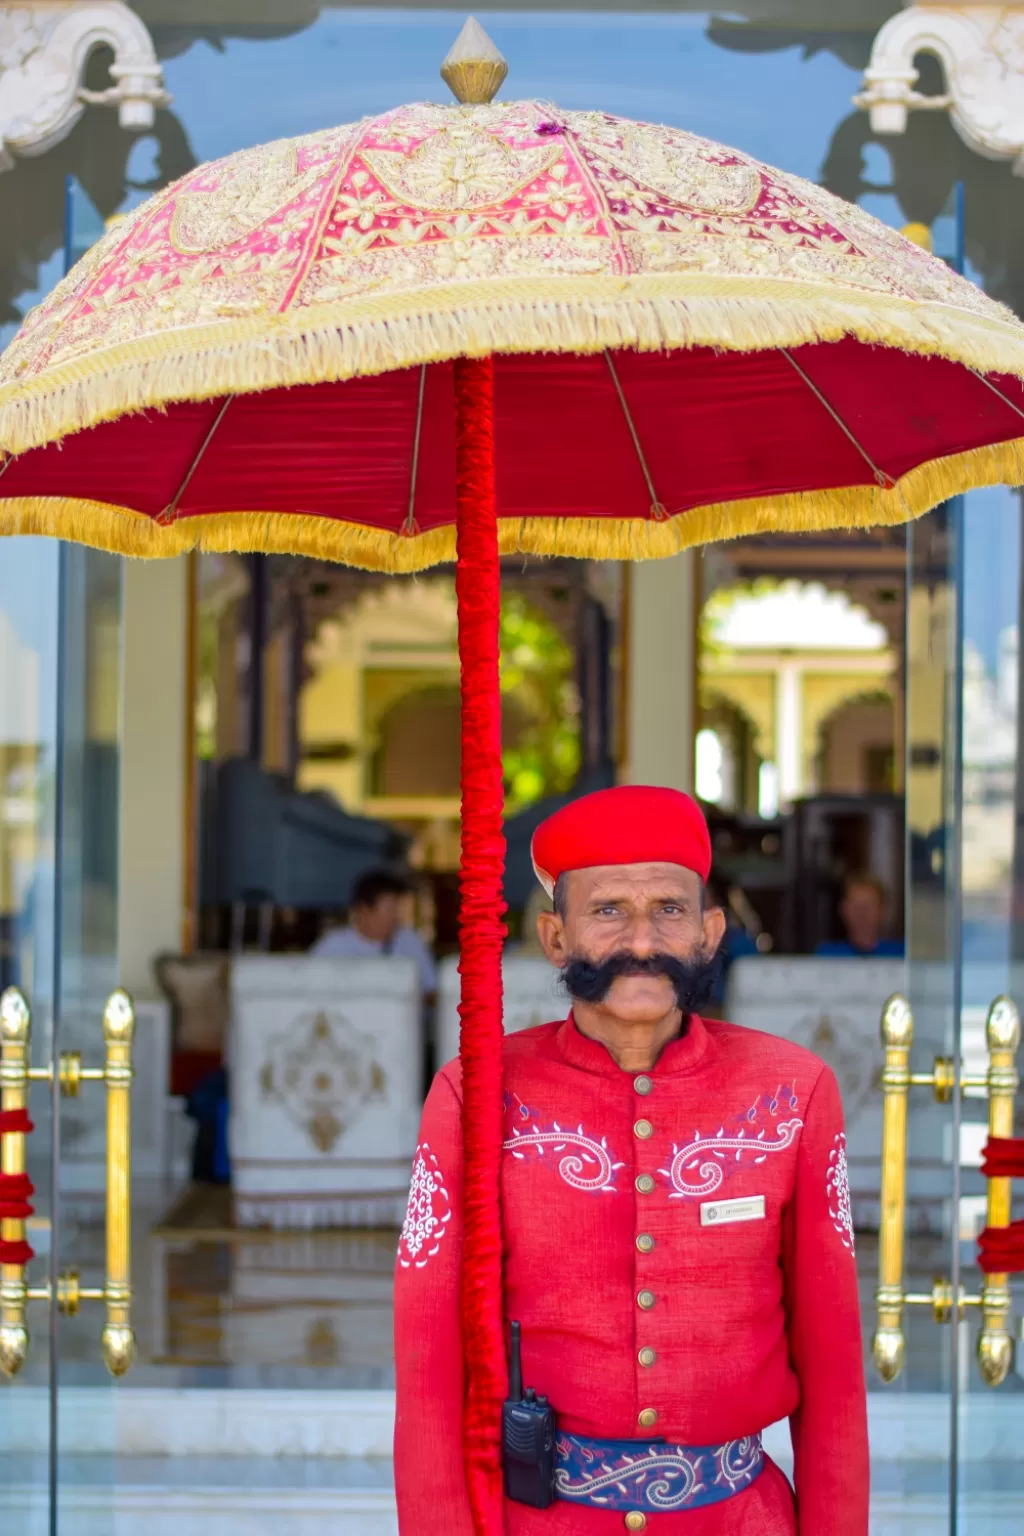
x,y
651,1475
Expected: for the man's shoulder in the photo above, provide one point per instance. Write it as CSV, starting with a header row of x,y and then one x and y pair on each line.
x,y
338,942
410,939
523,1044
758,1049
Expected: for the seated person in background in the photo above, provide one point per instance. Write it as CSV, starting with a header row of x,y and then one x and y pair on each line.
x,y
862,910
375,926
736,942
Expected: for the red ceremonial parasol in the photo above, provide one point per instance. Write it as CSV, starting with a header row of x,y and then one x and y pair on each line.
x,y
493,327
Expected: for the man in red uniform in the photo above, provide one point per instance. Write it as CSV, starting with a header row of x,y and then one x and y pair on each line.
x,y
677,1231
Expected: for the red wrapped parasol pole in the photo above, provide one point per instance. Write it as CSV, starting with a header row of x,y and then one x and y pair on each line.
x,y
481,934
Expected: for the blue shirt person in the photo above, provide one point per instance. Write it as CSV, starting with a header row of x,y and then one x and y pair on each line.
x,y
862,910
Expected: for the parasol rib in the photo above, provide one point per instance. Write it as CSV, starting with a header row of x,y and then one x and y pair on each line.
x,y
988,384
410,526
657,506
170,512
884,480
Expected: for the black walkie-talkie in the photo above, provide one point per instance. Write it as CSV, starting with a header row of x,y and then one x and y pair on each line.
x,y
527,1438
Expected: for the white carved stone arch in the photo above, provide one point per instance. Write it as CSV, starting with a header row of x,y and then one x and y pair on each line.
x,y
44,50
981,51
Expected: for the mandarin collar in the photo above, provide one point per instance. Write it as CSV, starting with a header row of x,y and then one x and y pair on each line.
x,y
680,1055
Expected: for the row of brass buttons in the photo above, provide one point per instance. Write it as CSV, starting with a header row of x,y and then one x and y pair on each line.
x,y
647,1417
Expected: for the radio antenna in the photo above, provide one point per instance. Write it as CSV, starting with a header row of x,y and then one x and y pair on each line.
x,y
515,1369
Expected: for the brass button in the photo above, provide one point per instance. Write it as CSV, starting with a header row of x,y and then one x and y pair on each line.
x,y
642,1084
635,1521
647,1418
645,1299
645,1242
643,1129
647,1356
645,1184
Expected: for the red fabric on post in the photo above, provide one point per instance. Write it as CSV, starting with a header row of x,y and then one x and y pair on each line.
x,y
1002,1157
13,1120
481,932
15,1191
1001,1250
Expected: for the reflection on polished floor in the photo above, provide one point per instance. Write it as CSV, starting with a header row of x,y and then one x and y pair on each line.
x,y
315,1309
307,1306
263,1395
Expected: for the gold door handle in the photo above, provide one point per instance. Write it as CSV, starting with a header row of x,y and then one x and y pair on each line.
x,y
119,1035
995,1343
887,1347
1002,1035
15,1076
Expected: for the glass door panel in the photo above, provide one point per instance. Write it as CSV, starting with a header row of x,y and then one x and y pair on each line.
x,y
60,663
60,726
990,1423
913,1356
964,955
29,666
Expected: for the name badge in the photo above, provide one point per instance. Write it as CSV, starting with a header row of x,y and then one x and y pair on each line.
x,y
716,1213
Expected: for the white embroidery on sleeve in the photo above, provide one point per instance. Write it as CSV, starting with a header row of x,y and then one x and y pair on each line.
x,y
837,1186
427,1213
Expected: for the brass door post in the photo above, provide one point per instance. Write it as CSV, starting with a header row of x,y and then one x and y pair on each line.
x,y
897,1038
1002,1033
15,1041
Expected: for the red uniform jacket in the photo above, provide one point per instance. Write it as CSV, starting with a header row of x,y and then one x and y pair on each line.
x,y
604,1182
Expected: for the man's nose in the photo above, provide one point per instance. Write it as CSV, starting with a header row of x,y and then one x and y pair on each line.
x,y
640,939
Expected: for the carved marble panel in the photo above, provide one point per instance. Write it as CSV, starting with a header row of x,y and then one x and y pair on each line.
x,y
981,51
44,49
325,1070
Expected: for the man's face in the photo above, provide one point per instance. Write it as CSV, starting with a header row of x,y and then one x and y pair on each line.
x,y
379,920
861,912
633,910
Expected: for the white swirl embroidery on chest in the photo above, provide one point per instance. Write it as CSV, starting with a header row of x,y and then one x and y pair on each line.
x,y
837,1185
427,1214
589,1167
705,1158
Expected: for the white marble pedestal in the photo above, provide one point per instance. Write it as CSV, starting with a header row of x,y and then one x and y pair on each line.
x,y
326,1089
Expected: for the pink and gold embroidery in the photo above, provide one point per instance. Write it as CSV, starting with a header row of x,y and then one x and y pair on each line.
x,y
589,1166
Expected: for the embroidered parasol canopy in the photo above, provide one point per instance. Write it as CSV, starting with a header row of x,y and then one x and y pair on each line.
x,y
688,345
452,331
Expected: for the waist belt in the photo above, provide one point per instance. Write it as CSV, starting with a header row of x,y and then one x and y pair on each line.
x,y
652,1475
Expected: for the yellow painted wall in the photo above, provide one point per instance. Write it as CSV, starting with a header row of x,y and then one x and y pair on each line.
x,y
152,811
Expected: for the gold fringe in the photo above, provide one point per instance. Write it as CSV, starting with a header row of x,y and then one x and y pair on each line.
x,y
125,532
585,313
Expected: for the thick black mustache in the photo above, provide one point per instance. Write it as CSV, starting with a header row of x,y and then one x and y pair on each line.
x,y
693,980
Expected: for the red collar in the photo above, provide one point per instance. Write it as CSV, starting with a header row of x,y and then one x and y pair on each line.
x,y
680,1055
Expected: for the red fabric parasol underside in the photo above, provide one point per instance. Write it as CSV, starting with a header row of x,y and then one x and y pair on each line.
x,y
711,427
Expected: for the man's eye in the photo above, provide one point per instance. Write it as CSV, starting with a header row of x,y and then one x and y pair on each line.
x,y
608,911
672,910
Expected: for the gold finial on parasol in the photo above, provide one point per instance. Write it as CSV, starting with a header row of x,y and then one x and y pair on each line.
x,y
474,69
920,234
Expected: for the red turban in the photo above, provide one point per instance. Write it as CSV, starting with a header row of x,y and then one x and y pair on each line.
x,y
631,824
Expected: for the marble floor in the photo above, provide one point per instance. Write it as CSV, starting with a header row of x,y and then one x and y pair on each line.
x,y
263,1394
316,1308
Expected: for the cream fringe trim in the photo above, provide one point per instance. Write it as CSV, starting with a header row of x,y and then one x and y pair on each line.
x,y
578,314
124,532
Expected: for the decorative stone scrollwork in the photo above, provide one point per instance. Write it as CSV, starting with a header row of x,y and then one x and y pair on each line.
x,y
44,48
981,50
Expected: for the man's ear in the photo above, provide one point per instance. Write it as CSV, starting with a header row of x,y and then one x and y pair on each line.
x,y
714,929
551,934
